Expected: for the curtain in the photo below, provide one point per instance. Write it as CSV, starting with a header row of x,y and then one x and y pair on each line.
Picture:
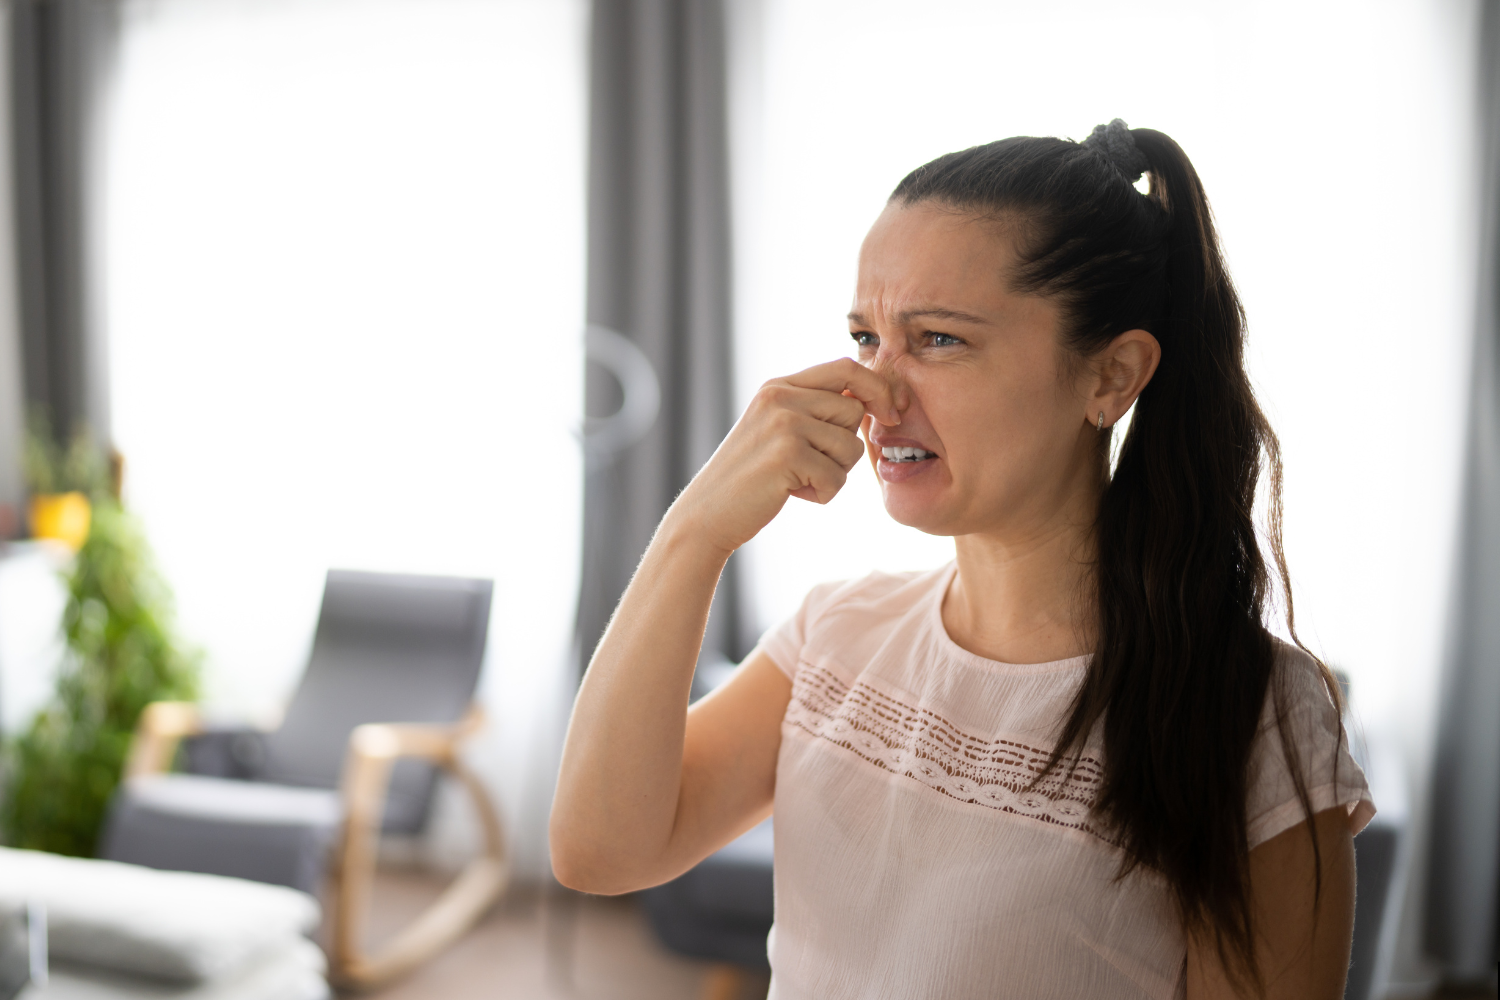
x,y
60,58
658,384
1464,855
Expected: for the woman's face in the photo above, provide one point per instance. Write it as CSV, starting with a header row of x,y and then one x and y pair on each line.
x,y
985,391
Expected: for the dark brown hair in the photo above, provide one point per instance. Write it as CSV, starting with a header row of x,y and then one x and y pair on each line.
x,y
1183,663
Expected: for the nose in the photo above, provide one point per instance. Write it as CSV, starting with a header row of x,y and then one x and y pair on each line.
x,y
891,365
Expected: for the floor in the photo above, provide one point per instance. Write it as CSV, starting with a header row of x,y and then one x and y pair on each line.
x,y
559,945
546,945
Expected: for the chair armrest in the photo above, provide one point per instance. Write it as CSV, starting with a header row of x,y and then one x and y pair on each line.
x,y
161,727
373,749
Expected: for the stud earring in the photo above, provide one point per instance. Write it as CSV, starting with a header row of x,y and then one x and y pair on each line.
x,y
1101,420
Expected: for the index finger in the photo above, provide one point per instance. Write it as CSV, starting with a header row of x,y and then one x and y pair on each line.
x,y
851,378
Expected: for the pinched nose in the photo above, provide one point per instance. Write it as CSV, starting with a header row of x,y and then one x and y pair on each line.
x,y
891,368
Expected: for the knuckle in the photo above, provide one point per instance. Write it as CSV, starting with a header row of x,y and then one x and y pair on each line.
x,y
787,450
829,485
782,396
771,393
784,421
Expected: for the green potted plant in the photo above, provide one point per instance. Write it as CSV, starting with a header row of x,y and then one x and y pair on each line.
x,y
120,655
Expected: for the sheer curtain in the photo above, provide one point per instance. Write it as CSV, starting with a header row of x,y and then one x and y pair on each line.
x,y
344,244
1334,140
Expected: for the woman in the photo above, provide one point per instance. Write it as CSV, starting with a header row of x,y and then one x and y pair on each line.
x,y
1072,763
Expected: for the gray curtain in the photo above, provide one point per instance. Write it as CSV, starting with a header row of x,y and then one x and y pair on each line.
x,y
61,56
658,390
1461,924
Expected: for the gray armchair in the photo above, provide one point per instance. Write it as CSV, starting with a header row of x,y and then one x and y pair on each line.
x,y
385,701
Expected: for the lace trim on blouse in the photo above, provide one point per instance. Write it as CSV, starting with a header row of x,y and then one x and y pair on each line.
x,y
918,743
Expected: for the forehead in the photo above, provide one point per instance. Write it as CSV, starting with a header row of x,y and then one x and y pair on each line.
x,y
932,254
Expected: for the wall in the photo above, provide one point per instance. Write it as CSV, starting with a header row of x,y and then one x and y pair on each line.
x,y
1335,142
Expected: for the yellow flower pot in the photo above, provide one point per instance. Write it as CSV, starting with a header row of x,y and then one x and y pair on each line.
x,y
62,517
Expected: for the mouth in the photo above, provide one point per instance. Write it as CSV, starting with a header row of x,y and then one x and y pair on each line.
x,y
906,454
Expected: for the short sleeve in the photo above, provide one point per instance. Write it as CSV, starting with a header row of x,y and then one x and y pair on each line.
x,y
1320,748
784,643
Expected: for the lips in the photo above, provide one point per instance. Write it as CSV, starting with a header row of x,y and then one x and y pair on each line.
x,y
902,458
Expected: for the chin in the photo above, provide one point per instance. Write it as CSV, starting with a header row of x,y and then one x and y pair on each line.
x,y
923,513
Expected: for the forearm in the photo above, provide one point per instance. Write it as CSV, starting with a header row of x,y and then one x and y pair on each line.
x,y
621,776
624,817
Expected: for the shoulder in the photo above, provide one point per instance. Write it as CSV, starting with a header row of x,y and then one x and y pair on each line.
x,y
849,612
1301,686
1301,749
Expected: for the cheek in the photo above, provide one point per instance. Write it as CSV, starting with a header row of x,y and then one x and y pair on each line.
x,y
989,424
970,412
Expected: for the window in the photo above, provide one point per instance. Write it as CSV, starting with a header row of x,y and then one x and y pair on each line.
x,y
344,257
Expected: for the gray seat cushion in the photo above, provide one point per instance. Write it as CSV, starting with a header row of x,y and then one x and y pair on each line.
x,y
268,833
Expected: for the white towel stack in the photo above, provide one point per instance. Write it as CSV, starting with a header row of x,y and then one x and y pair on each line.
x,y
121,932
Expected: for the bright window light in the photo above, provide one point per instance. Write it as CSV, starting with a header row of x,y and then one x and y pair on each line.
x,y
1305,122
344,257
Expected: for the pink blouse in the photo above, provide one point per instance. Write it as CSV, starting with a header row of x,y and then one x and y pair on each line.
x,y
911,862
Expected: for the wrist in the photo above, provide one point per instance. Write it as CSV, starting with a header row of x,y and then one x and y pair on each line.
x,y
683,535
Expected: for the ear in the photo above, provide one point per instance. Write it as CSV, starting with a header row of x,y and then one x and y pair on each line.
x,y
1121,371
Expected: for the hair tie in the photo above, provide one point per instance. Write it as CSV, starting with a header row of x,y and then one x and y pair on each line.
x,y
1115,143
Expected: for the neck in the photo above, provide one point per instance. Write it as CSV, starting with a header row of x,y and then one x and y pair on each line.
x,y
1024,594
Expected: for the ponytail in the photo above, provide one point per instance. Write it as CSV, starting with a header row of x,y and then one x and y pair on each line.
x,y
1183,664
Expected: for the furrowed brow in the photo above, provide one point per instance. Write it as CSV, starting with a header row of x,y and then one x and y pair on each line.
x,y
925,312
938,312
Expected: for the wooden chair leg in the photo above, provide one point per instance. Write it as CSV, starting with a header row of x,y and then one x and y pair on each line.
x,y
373,749
723,982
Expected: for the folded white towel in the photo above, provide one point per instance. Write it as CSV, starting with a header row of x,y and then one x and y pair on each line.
x,y
178,926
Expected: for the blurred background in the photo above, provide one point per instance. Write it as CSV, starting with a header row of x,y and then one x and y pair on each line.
x,y
469,288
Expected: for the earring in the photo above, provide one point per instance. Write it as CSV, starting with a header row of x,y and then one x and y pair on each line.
x,y
1101,420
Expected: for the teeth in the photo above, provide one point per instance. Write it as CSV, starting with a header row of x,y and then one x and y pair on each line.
x,y
906,454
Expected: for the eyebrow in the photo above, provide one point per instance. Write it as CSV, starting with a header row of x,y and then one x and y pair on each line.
x,y
926,312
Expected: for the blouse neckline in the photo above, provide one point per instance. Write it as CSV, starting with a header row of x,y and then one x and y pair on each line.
x,y
955,651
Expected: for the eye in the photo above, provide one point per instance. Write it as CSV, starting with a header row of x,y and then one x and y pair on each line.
x,y
865,338
944,340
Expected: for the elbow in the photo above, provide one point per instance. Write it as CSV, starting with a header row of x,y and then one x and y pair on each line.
x,y
567,864
577,874
570,870
567,873
578,866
